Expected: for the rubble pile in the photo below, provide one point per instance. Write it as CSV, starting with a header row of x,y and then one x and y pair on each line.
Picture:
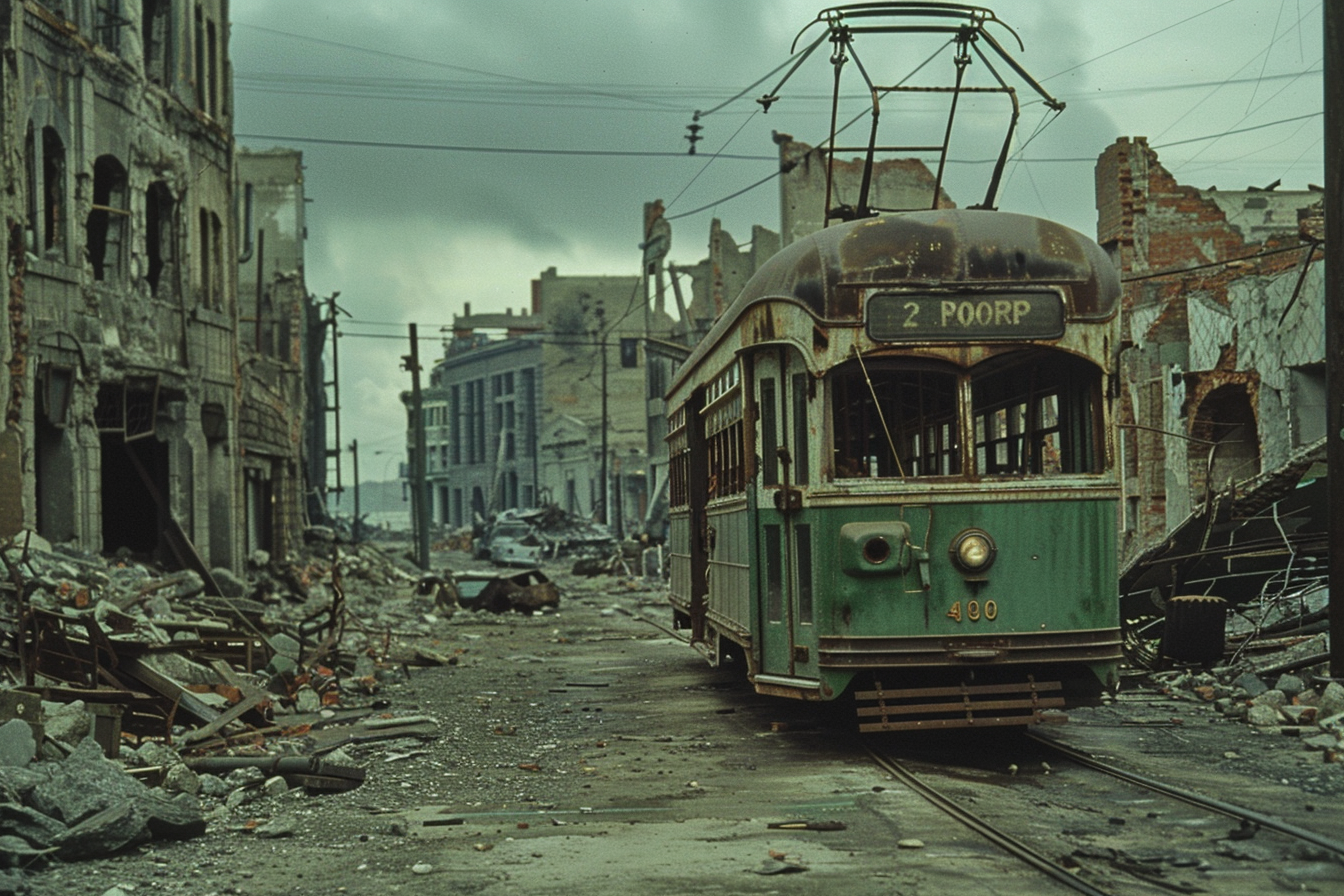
x,y
138,704
563,535
1286,696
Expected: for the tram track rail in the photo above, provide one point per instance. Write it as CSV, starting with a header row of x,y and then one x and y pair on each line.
x,y
1069,875
1231,810
998,837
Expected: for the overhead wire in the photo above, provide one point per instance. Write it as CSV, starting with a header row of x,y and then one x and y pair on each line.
x,y
664,99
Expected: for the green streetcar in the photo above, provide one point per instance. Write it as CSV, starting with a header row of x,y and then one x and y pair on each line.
x,y
892,472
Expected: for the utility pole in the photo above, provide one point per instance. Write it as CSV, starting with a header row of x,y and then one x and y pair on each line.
x,y
355,528
600,313
599,334
1334,320
419,510
334,409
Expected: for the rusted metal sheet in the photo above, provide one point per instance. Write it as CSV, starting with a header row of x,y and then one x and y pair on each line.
x,y
959,706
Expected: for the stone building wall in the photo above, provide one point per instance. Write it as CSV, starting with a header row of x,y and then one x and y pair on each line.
x,y
120,393
1223,358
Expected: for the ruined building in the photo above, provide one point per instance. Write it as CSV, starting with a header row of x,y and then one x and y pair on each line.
x,y
1223,358
480,412
272,307
120,376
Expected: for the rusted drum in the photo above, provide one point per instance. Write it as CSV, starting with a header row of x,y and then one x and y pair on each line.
x,y
1194,630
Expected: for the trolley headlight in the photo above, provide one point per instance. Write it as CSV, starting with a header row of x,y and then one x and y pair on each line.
x,y
972,552
874,549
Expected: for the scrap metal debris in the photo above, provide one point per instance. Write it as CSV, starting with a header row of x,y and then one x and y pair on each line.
x,y
133,699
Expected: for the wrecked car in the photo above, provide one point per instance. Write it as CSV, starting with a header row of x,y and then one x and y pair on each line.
x,y
526,592
512,543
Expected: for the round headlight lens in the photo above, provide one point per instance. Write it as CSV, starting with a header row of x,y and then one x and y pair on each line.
x,y
877,550
973,551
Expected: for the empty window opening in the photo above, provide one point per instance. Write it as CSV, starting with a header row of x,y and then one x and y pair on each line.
x,y
46,192
107,218
1227,420
156,33
134,479
199,58
212,62
211,262
259,503
108,22
160,233
910,408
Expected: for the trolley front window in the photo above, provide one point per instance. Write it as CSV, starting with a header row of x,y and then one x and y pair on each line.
x,y
879,407
1037,416
1032,413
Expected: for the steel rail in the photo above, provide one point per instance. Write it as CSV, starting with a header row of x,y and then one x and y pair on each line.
x,y
1231,810
1011,845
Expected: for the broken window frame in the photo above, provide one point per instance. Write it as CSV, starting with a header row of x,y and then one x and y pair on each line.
x,y
129,408
722,420
1037,414
105,227
917,403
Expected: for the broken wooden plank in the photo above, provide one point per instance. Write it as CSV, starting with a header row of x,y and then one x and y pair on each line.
x,y
170,690
251,698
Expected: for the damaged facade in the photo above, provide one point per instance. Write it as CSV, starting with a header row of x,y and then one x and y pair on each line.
x,y
272,307
1223,356
120,384
480,414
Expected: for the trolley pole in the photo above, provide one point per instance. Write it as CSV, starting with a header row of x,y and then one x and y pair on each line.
x,y
355,527
419,510
1334,320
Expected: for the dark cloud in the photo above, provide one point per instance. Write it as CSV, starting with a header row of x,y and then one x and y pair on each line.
x,y
411,233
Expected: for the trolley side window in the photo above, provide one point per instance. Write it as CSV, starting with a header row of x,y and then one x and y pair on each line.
x,y
1037,417
722,418
769,426
679,460
801,442
876,407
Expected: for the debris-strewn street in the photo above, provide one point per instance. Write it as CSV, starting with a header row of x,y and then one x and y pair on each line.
x,y
358,731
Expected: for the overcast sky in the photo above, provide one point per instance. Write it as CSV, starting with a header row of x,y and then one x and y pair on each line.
x,y
455,150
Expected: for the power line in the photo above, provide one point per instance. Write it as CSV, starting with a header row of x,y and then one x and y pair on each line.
x,y
515,150
435,63
1137,41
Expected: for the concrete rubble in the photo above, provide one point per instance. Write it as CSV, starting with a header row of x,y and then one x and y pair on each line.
x,y
1284,690
140,705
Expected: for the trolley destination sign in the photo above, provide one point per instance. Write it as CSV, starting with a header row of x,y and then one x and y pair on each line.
x,y
921,317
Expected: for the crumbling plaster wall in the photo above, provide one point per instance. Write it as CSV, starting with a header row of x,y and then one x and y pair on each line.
x,y
1197,328
896,185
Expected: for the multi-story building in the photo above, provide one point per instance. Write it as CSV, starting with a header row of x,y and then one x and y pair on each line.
x,y
120,428
480,414
272,304
546,407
